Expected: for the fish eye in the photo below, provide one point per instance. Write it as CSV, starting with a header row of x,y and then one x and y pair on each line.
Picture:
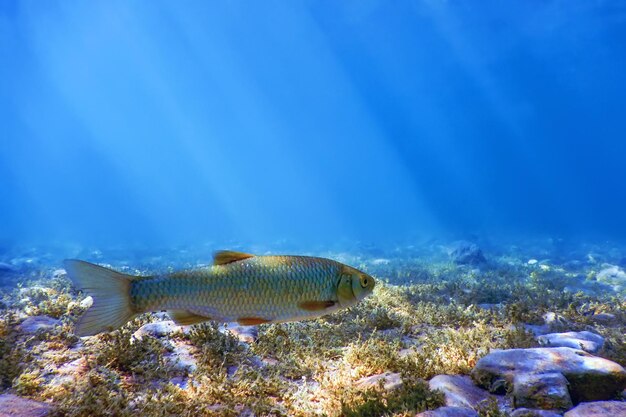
x,y
364,281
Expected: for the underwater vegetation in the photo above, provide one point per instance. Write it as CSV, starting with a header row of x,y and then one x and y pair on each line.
x,y
433,324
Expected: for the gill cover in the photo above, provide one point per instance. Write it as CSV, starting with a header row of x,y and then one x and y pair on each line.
x,y
344,289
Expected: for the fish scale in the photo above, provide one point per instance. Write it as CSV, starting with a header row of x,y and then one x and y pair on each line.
x,y
271,286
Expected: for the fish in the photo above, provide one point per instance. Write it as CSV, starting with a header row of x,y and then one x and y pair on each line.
x,y
237,287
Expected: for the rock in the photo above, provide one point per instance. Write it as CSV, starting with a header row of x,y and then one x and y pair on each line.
x,y
24,264
86,302
180,382
598,409
466,253
390,381
35,323
68,372
537,329
612,275
57,273
527,412
157,329
553,319
181,359
5,267
590,378
14,406
584,340
449,412
604,318
246,334
460,391
490,306
546,391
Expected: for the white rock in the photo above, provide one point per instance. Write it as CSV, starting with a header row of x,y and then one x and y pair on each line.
x,y
246,334
590,378
158,329
551,318
449,412
598,409
68,372
86,302
612,275
14,406
460,391
181,359
604,318
532,412
584,340
390,381
58,272
35,323
547,390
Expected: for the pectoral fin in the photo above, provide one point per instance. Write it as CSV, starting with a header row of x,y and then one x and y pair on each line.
x,y
186,318
224,257
316,305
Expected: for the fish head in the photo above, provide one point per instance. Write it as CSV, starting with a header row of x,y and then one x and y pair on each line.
x,y
353,286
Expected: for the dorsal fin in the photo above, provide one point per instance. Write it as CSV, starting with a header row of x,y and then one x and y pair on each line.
x,y
224,257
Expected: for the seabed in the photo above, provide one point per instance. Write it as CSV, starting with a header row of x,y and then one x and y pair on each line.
x,y
438,308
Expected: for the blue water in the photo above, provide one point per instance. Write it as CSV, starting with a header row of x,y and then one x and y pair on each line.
x,y
160,122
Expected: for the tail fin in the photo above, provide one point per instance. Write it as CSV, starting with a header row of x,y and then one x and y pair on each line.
x,y
110,291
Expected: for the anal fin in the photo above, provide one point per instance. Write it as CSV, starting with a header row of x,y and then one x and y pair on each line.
x,y
186,318
251,321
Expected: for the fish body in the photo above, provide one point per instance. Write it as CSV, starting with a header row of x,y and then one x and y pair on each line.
x,y
239,287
